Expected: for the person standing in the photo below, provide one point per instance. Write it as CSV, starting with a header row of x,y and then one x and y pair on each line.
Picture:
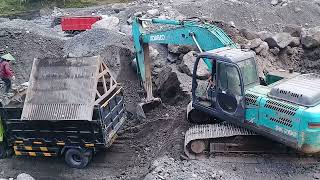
x,y
6,74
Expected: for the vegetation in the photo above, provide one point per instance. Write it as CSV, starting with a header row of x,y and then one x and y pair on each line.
x,y
10,7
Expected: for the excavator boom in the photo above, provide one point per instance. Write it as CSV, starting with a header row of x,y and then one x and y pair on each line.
x,y
204,35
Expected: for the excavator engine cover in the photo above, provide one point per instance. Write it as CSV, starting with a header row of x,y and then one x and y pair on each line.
x,y
290,90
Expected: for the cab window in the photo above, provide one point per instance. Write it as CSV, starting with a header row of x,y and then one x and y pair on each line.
x,y
229,79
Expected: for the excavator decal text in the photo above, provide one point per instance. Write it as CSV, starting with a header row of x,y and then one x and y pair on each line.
x,y
286,131
157,38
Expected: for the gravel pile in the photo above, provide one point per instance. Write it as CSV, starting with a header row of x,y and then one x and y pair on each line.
x,y
95,40
108,44
253,14
26,43
31,27
169,168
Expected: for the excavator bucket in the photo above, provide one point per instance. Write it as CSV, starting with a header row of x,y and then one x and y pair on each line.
x,y
144,67
145,107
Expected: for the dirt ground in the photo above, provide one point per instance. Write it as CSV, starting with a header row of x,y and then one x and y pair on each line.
x,y
160,138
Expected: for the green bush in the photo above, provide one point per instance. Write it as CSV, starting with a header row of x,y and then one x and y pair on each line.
x,y
9,7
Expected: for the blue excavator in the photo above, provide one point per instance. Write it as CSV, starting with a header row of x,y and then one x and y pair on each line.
x,y
232,101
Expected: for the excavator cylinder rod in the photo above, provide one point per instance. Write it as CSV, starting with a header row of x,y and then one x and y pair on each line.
x,y
163,21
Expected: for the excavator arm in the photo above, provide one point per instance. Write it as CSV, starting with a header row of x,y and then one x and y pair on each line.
x,y
204,35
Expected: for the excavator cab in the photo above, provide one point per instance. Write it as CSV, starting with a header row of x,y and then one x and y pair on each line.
x,y
222,94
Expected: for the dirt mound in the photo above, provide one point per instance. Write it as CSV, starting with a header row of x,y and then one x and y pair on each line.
x,y
169,168
27,26
162,133
25,46
253,14
108,44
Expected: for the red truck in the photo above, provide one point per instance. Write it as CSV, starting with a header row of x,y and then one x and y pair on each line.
x,y
76,24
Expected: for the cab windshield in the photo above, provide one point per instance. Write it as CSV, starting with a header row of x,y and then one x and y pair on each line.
x,y
249,71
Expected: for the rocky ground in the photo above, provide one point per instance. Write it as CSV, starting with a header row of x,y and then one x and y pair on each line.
x,y
283,33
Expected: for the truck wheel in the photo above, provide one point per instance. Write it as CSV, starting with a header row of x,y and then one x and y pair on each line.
x,y
3,152
76,158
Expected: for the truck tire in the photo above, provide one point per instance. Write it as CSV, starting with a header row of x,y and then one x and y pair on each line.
x,y
3,152
76,158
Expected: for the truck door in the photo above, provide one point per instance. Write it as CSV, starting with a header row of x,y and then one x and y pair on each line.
x,y
230,99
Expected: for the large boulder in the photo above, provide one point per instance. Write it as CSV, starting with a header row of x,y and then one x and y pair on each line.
x,y
280,40
187,66
126,29
295,42
178,49
24,176
262,49
311,38
274,2
259,46
263,35
167,85
119,7
154,53
275,51
111,23
153,12
248,34
255,43
293,30
172,58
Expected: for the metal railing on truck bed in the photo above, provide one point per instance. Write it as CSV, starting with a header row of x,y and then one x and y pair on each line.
x,y
73,107
106,121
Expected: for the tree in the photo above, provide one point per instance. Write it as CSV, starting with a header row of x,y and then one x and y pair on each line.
x,y
41,1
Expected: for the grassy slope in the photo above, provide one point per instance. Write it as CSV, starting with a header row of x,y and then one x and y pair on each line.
x,y
10,7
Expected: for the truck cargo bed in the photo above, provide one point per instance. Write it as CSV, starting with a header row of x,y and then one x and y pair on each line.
x,y
97,133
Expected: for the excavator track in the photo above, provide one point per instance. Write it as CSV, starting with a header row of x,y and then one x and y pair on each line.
x,y
201,140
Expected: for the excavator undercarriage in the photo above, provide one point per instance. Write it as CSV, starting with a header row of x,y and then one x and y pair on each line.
x,y
203,140
213,135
